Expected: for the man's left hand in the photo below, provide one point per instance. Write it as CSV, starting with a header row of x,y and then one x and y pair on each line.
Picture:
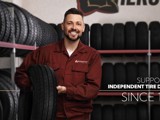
x,y
61,89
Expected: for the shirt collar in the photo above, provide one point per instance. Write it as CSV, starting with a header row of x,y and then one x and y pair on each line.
x,y
61,48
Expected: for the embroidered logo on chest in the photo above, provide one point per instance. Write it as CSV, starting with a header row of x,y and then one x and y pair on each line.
x,y
81,61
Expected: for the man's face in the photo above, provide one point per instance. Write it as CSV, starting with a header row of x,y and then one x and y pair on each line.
x,y
73,27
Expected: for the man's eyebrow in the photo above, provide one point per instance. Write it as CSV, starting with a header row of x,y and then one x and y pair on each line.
x,y
72,21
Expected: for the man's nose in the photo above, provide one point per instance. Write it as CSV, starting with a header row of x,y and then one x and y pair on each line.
x,y
74,26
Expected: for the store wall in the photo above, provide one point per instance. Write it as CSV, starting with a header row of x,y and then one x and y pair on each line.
x,y
129,10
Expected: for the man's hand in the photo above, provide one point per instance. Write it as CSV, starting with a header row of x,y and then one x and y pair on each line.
x,y
61,89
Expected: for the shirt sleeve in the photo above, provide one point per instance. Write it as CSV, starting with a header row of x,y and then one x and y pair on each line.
x,y
90,88
21,76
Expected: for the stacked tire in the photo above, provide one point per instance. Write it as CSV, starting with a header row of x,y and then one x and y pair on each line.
x,y
137,111
126,36
129,73
17,24
8,97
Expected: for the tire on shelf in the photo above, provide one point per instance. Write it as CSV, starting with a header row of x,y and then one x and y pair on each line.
x,y
2,22
142,111
2,27
119,112
97,112
131,73
119,73
7,103
49,34
107,75
107,37
155,108
5,10
53,25
9,99
44,92
6,78
29,29
119,40
154,27
85,35
130,35
142,69
131,112
8,29
1,111
155,72
23,28
60,32
5,74
96,36
142,35
22,23
107,112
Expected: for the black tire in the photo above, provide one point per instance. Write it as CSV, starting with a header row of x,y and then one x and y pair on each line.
x,y
2,22
5,79
119,112
97,112
107,75
155,72
142,35
155,115
119,73
131,112
119,40
2,26
85,35
155,34
7,14
24,105
107,37
142,73
130,35
8,29
142,111
22,24
107,112
53,25
95,36
6,72
60,32
1,111
44,92
49,34
131,73
9,99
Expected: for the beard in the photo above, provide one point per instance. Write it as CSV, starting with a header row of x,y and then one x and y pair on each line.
x,y
72,39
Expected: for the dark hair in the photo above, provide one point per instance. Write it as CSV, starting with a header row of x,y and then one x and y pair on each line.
x,y
73,11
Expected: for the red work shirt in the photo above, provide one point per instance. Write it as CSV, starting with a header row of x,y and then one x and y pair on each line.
x,y
80,73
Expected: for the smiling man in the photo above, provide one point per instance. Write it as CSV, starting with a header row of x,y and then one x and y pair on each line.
x,y
77,68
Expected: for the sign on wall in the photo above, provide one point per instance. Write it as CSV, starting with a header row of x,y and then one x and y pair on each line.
x,y
110,6
104,6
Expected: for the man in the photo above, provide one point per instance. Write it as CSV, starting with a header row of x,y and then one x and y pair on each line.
x,y
77,68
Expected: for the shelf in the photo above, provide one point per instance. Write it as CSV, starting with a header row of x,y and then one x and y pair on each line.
x,y
17,46
28,47
128,51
